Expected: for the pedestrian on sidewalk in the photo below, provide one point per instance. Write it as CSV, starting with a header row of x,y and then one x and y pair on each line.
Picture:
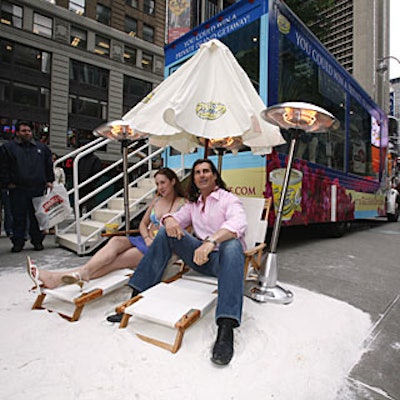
x,y
26,171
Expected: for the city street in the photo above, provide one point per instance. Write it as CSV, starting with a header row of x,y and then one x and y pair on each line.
x,y
360,269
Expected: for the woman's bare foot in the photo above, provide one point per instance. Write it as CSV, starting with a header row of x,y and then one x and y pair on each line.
x,y
50,279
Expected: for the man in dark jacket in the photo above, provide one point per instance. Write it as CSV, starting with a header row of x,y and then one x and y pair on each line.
x,y
26,171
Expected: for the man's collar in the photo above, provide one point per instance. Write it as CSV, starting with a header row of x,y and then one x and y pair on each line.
x,y
214,194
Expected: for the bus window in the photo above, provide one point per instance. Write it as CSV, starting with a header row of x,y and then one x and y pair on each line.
x,y
360,157
300,79
245,45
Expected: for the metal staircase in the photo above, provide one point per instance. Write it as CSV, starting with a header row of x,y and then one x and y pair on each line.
x,y
82,232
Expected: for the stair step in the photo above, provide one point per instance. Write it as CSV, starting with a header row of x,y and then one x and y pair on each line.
x,y
89,226
147,183
138,192
106,215
119,204
70,241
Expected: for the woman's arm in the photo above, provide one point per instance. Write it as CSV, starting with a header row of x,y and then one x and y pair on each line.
x,y
144,223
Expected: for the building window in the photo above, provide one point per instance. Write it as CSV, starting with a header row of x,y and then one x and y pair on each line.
x,y
11,14
42,25
102,46
77,6
103,14
86,74
149,7
132,3
18,54
130,56
5,90
148,33
134,91
130,26
147,62
31,95
136,87
87,106
78,38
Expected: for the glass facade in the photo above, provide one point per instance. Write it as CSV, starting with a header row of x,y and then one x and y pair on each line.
x,y
78,38
20,55
149,6
148,33
103,14
11,14
102,46
132,3
130,26
77,6
86,74
147,61
130,56
134,91
42,25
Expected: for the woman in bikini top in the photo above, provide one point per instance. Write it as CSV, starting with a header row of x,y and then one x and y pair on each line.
x,y
121,251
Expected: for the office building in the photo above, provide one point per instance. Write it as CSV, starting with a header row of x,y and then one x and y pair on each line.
x,y
358,37
69,66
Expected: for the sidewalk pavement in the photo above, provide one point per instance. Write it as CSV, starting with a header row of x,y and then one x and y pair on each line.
x,y
52,256
361,269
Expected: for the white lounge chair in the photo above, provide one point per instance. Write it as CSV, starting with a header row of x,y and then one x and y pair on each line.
x,y
92,290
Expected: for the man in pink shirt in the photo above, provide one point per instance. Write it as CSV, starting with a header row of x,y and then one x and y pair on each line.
x,y
218,220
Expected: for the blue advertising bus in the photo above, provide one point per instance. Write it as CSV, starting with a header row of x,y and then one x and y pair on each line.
x,y
338,175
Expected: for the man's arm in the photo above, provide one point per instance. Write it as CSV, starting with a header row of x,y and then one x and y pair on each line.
x,y
200,255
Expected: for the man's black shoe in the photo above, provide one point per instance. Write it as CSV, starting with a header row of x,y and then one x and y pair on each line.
x,y
17,248
38,246
223,348
115,318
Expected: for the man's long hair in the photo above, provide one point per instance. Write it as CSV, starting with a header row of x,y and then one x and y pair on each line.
x,y
193,191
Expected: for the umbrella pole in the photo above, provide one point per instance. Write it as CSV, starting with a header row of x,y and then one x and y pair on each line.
x,y
126,183
206,148
220,155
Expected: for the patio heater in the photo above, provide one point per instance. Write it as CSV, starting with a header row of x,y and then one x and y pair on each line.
x,y
230,143
123,132
298,118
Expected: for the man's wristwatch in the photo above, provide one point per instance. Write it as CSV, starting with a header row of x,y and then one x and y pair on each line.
x,y
211,240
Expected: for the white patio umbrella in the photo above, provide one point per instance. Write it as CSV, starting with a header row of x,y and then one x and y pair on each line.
x,y
209,97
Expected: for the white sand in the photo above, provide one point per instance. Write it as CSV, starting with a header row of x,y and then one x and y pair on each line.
x,y
301,351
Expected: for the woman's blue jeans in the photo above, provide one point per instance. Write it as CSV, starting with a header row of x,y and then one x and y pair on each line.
x,y
227,264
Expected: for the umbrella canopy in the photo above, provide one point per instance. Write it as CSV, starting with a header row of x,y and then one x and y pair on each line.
x,y
209,97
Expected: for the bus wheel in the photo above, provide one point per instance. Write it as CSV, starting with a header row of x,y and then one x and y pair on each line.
x,y
333,229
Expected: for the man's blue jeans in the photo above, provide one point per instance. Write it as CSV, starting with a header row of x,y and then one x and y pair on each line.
x,y
227,264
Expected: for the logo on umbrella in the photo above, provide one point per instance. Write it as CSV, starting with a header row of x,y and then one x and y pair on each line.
x,y
210,110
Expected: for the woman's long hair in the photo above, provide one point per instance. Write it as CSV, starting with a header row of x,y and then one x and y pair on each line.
x,y
193,191
170,174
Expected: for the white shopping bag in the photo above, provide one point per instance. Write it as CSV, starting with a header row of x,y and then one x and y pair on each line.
x,y
52,208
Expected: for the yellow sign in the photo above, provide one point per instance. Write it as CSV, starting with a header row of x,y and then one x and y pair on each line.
x,y
246,182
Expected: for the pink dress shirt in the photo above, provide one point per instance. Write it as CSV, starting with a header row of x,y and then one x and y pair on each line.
x,y
222,210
